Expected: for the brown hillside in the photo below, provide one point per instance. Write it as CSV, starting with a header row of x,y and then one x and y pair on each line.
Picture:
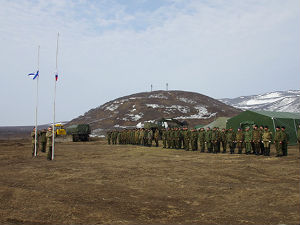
x,y
192,107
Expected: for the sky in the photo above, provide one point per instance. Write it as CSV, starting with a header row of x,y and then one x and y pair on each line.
x,y
112,48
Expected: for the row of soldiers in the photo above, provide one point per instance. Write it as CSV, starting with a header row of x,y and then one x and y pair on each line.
x,y
255,141
44,141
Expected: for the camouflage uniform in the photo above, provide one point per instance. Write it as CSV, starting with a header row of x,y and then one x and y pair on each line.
x,y
43,140
230,136
33,142
208,140
49,144
248,140
278,142
240,141
285,141
223,140
202,139
215,139
194,140
256,141
164,138
108,135
156,137
187,139
266,140
262,147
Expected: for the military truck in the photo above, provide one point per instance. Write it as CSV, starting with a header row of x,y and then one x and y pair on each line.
x,y
79,132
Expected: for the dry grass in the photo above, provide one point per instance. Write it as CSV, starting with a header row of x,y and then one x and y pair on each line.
x,y
94,183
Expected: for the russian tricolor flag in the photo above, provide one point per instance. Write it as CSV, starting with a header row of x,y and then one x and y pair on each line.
x,y
56,76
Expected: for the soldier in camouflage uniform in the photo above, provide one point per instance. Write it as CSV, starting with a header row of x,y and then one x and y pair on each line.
x,y
43,140
230,136
187,139
156,137
181,139
248,140
33,141
278,142
215,139
194,140
202,139
285,141
223,140
49,143
164,138
266,140
262,147
240,140
208,140
108,135
169,136
256,140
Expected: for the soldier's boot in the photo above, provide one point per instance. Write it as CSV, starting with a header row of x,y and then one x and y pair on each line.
x,y
231,151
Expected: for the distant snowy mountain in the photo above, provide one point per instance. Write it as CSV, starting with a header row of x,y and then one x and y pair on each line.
x,y
281,101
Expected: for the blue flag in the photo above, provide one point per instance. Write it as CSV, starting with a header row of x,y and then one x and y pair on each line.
x,y
34,75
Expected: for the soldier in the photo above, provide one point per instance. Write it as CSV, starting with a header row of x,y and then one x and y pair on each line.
x,y
49,143
194,140
202,139
240,140
230,136
156,137
43,140
169,138
298,136
108,135
218,140
256,140
262,147
208,140
149,137
278,142
33,141
187,138
215,140
266,140
181,138
285,141
164,138
223,140
248,140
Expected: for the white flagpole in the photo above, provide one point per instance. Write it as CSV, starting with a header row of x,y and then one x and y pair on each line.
x,y
53,128
37,101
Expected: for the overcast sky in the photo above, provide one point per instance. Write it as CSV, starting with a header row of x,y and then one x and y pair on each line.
x,y
112,48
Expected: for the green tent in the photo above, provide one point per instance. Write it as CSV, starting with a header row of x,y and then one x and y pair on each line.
x,y
219,122
267,118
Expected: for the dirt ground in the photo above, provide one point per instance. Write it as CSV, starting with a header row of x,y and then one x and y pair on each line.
x,y
94,183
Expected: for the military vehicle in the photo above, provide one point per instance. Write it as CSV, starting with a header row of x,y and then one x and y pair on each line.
x,y
79,132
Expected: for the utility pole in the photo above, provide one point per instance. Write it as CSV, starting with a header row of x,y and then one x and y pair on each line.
x,y
167,86
151,87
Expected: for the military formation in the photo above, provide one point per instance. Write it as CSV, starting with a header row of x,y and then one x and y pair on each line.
x,y
255,141
44,142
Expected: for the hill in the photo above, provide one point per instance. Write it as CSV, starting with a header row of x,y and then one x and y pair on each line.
x,y
130,110
281,101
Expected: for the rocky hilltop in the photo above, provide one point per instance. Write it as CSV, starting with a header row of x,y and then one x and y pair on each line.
x,y
130,110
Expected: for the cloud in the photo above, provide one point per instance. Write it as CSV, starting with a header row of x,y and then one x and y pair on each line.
x,y
111,48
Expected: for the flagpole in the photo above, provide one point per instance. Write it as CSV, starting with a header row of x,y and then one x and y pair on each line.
x,y
53,129
37,101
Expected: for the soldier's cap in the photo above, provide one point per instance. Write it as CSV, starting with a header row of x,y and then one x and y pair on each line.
x,y
283,127
278,127
239,128
261,126
255,125
266,127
